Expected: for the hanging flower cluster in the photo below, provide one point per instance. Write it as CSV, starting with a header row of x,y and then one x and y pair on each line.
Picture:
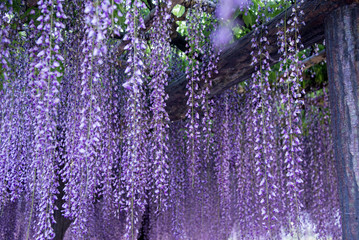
x,y
264,132
134,159
321,194
159,79
193,76
291,105
45,89
87,163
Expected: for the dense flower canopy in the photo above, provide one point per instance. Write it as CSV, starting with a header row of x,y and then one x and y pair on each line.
x,y
86,142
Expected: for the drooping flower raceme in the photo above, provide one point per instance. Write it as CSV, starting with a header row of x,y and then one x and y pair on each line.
x,y
289,40
45,84
134,159
86,125
158,143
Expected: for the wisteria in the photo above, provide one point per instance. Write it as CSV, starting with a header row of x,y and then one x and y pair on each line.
x,y
289,40
45,94
160,119
89,150
264,132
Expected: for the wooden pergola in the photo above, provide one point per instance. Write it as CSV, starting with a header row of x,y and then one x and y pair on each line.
x,y
336,21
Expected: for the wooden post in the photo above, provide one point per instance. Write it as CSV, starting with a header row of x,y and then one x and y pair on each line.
x,y
342,46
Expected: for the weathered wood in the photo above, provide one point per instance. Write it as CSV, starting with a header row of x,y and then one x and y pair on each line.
x,y
234,64
31,3
342,39
313,60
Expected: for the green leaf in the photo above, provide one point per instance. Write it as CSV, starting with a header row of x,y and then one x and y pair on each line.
x,y
178,10
17,5
248,19
182,28
146,2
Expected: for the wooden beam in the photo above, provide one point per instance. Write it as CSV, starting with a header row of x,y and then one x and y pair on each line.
x,y
342,39
234,64
31,3
313,60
